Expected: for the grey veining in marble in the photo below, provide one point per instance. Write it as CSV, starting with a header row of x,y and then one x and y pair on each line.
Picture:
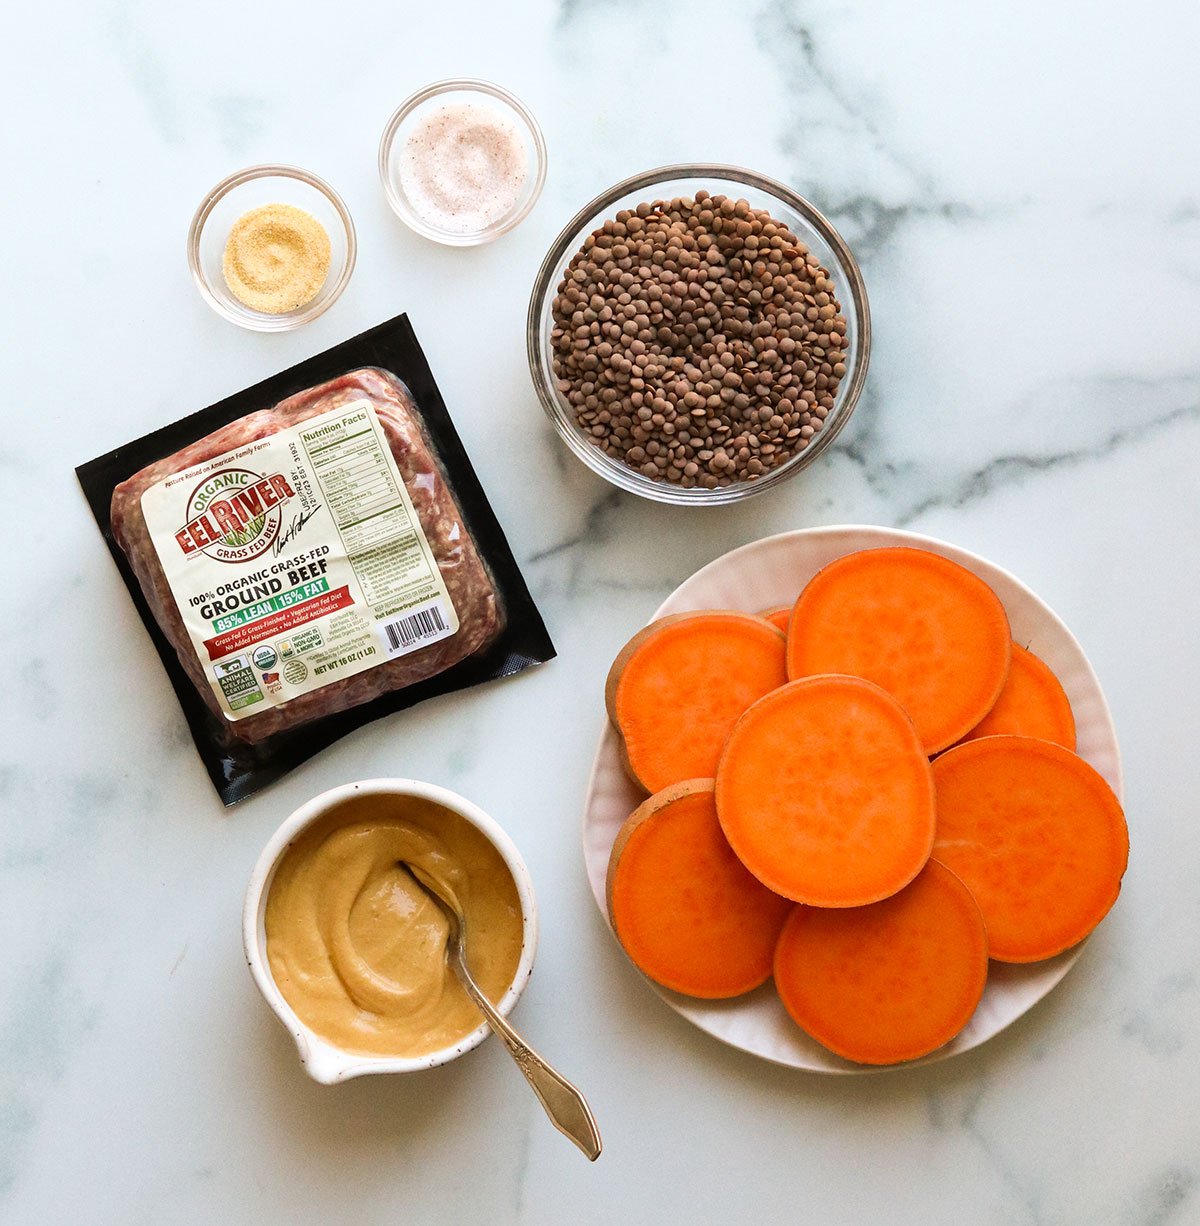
x,y
1020,183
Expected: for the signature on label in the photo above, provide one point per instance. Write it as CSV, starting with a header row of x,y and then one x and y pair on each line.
x,y
293,529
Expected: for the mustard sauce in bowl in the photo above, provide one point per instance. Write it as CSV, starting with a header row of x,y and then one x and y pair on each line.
x,y
350,952
358,949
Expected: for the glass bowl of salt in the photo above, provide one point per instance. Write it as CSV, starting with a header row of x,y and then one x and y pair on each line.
x,y
462,161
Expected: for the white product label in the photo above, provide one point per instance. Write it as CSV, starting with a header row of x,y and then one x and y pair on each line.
x,y
298,560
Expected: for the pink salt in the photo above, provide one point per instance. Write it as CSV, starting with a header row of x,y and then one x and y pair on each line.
x,y
463,167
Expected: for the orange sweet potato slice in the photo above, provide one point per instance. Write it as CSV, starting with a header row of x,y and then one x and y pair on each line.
x,y
684,908
891,981
1038,837
1032,703
927,630
778,617
679,685
825,793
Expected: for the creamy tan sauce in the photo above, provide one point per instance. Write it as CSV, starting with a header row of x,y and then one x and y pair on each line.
x,y
357,948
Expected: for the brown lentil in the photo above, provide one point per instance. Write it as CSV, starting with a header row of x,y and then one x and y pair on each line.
x,y
698,340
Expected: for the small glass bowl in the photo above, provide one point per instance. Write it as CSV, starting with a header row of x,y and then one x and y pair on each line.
x,y
249,189
440,93
802,218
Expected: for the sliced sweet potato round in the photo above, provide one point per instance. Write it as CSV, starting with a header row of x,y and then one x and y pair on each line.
x,y
683,906
891,981
825,793
679,685
1032,703
778,617
927,630
1038,837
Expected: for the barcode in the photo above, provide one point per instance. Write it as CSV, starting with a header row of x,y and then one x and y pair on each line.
x,y
403,632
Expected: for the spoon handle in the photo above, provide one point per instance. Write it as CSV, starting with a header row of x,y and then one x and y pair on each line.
x,y
564,1104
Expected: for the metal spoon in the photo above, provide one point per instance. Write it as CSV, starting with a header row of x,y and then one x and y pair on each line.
x,y
563,1103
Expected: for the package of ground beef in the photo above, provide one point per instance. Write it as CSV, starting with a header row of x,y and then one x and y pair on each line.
x,y
312,553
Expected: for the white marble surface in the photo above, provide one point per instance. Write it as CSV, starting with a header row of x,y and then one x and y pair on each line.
x,y
1022,184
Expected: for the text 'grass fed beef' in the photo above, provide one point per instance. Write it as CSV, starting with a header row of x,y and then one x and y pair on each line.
x,y
308,557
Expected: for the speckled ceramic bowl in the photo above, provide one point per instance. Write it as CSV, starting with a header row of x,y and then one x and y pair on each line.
x,y
321,1059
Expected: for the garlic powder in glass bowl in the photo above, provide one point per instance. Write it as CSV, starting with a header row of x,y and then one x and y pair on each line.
x,y
241,194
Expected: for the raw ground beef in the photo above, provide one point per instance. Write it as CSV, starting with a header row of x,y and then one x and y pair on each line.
x,y
467,579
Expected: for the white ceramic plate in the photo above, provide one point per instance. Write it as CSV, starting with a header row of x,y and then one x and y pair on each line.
x,y
771,572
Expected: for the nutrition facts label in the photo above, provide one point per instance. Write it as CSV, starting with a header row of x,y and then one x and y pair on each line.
x,y
370,507
357,482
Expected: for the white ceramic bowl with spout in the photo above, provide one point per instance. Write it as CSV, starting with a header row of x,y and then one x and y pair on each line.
x,y
323,1061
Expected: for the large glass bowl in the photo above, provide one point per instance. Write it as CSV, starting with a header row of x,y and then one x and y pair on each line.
x,y
805,221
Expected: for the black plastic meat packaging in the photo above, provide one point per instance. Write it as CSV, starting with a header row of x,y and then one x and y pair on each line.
x,y
312,553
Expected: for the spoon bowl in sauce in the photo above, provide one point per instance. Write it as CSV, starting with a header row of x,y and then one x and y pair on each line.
x,y
565,1106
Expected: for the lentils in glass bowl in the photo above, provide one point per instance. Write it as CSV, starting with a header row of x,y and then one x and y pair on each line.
x,y
698,333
